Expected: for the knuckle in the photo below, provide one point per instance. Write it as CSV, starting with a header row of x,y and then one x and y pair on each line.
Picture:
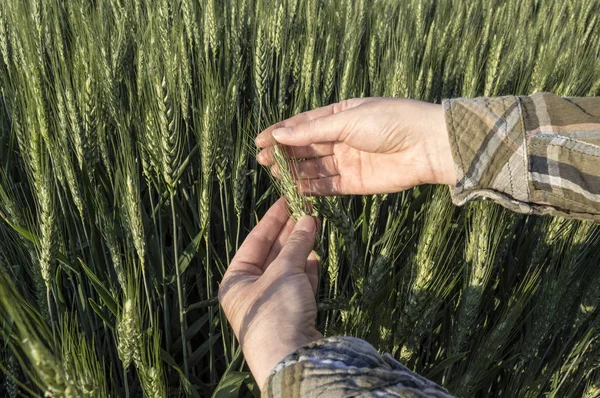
x,y
336,185
298,238
343,105
311,128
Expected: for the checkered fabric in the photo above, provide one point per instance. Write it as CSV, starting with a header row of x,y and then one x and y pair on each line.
x,y
346,367
538,154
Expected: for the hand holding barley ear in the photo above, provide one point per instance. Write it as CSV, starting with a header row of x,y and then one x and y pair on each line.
x,y
363,146
268,291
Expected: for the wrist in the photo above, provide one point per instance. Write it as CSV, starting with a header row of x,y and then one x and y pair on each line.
x,y
438,150
268,349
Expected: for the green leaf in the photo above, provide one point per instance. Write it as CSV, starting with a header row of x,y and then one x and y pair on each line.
x,y
59,286
443,365
203,349
253,387
190,251
190,332
203,304
98,310
100,289
187,386
230,384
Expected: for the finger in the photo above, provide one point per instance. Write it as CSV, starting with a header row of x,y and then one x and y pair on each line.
x,y
282,238
326,186
265,138
316,168
257,245
290,171
299,244
276,171
266,157
312,271
324,129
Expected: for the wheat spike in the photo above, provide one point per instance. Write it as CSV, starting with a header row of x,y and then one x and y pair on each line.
x,y
12,390
50,371
150,367
307,68
333,259
592,390
4,44
277,32
167,133
128,334
210,28
260,63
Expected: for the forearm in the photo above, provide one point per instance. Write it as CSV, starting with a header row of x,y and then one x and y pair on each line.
x,y
536,155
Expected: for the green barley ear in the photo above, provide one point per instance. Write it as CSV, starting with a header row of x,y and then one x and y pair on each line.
x,y
433,254
592,390
488,234
12,374
210,28
81,362
286,184
47,220
277,29
150,368
333,260
261,58
129,326
106,225
240,171
28,339
492,343
331,208
4,42
208,143
132,206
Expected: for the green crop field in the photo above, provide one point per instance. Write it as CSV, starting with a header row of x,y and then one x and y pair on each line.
x,y
128,179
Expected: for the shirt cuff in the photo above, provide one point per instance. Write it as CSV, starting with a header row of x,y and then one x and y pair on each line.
x,y
489,148
491,140
345,366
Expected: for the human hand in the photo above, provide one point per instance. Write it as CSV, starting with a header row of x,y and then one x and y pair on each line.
x,y
364,146
268,291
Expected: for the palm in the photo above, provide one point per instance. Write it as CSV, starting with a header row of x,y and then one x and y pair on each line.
x,y
268,291
364,173
361,146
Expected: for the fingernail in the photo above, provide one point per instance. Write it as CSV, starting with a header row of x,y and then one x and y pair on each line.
x,y
282,133
260,141
306,224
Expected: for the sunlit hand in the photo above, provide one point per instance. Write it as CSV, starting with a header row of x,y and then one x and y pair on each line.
x,y
364,146
268,291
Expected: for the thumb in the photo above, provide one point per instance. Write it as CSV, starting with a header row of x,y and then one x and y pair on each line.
x,y
300,243
324,129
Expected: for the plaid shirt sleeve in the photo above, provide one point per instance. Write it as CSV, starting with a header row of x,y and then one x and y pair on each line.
x,y
346,367
536,154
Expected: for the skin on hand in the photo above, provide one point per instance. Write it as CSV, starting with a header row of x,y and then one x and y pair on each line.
x,y
268,291
364,146
359,146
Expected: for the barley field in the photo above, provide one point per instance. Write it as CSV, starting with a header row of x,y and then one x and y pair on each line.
x,y
128,179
